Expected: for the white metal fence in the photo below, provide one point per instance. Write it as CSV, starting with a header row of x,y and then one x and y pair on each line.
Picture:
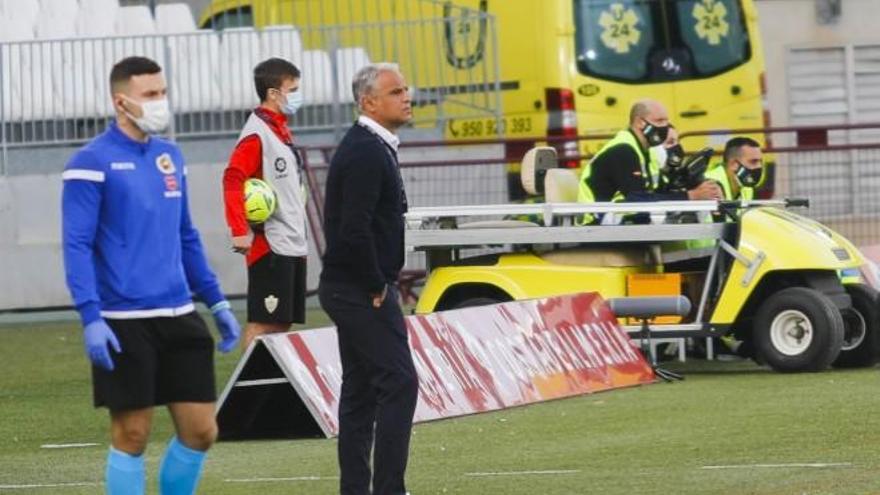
x,y
55,91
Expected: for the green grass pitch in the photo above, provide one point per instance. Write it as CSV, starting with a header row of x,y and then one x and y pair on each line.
x,y
729,428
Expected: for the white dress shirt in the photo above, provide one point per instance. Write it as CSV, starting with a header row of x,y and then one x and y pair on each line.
x,y
389,137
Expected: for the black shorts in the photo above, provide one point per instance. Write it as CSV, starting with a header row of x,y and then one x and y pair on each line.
x,y
277,289
163,360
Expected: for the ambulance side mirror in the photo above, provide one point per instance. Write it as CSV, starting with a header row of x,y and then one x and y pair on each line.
x,y
535,164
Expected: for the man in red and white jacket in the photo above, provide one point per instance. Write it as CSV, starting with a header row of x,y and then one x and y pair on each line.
x,y
276,249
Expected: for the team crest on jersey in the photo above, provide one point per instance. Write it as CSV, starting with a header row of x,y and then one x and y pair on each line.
x,y
271,303
165,164
170,183
172,187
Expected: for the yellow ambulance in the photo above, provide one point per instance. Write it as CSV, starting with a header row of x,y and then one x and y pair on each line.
x,y
567,67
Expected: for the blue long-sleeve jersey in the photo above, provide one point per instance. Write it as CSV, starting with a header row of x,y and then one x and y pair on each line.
x,y
130,248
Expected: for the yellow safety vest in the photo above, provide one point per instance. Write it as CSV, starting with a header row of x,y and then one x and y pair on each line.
x,y
650,171
718,173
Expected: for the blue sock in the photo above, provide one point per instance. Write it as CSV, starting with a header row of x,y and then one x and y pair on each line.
x,y
181,469
125,473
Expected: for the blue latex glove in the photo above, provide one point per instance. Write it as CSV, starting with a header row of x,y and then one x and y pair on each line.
x,y
97,336
228,327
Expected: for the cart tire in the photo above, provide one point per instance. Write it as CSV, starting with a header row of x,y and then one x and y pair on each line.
x,y
798,329
861,333
476,301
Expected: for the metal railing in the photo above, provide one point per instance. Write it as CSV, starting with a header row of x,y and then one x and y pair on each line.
x,y
437,173
55,92
476,172
836,166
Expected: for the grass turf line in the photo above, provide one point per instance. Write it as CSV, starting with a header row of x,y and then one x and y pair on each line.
x,y
646,440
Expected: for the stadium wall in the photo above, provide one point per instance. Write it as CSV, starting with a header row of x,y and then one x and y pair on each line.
x,y
31,261
803,25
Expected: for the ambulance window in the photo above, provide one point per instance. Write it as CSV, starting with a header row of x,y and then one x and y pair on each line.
x,y
715,33
613,38
232,18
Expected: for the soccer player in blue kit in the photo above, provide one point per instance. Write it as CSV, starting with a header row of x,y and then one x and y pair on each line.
x,y
133,260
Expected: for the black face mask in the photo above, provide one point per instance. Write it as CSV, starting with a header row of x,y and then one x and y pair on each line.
x,y
674,156
656,135
748,177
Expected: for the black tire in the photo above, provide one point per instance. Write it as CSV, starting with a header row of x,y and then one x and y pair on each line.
x,y
476,301
798,329
861,334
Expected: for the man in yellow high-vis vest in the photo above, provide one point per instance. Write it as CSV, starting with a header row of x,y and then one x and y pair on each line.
x,y
741,171
737,177
628,169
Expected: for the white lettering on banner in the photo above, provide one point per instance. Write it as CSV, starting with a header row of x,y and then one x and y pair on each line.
x,y
444,369
337,374
540,356
503,349
454,355
567,335
556,357
524,358
520,346
464,362
484,390
608,352
495,359
432,391
332,379
537,350
608,332
624,350
559,355
595,350
581,334
456,377
479,358
304,378
623,343
570,334
531,332
431,382
560,352
504,355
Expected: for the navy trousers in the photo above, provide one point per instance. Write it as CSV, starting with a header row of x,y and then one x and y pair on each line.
x,y
379,389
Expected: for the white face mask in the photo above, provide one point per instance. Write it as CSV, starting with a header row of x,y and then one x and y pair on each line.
x,y
293,102
156,116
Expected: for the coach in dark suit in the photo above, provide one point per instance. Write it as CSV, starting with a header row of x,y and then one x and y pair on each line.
x,y
364,206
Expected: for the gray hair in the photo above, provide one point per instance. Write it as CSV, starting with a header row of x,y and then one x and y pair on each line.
x,y
364,81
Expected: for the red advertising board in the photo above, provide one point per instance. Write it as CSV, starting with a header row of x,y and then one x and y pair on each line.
x,y
477,359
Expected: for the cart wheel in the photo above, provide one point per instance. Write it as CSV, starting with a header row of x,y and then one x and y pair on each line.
x,y
798,329
861,332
